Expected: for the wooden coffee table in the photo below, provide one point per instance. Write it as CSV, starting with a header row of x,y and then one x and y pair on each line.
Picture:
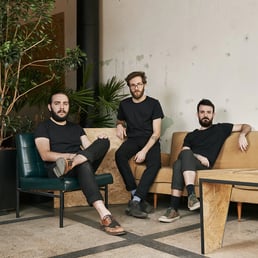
x,y
215,192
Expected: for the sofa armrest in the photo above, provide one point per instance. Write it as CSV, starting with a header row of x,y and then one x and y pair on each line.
x,y
165,158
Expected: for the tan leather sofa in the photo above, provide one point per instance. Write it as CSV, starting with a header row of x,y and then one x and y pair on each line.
x,y
230,157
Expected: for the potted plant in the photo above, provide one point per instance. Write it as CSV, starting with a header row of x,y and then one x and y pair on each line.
x,y
25,32
107,96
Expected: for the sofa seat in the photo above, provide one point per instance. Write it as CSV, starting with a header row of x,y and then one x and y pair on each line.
x,y
162,183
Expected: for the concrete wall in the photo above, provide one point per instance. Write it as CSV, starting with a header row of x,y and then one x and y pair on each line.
x,y
189,49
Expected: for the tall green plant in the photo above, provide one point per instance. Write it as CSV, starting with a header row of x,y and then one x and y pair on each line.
x,y
25,31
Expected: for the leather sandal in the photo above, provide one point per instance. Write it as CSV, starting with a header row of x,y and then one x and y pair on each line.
x,y
111,226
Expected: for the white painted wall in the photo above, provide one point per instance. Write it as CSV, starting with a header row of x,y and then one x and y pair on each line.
x,y
189,49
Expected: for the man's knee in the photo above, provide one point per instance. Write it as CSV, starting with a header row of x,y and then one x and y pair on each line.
x,y
186,154
104,143
96,150
188,161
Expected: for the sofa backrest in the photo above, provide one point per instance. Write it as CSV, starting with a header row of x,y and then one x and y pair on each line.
x,y
230,155
176,145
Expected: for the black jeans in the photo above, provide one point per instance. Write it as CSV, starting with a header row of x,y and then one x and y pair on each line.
x,y
186,161
153,163
85,172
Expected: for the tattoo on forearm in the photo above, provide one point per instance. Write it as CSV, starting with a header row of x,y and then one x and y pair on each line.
x,y
154,138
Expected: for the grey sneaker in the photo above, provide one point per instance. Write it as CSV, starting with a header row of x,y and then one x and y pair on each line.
x,y
193,202
134,210
170,216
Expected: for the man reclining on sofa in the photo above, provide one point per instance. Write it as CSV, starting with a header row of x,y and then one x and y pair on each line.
x,y
200,150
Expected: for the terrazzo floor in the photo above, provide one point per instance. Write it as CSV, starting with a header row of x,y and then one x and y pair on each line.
x,y
37,234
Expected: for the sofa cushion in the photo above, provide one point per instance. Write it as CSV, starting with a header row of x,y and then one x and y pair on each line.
x,y
244,195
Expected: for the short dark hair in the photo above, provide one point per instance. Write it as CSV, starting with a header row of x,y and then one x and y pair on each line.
x,y
131,75
55,93
205,102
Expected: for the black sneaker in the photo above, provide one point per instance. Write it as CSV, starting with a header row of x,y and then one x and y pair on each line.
x,y
134,210
146,207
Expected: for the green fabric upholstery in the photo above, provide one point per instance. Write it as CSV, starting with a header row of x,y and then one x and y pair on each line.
x,y
32,176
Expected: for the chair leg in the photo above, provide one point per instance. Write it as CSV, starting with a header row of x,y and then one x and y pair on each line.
x,y
61,210
106,195
17,203
239,210
155,200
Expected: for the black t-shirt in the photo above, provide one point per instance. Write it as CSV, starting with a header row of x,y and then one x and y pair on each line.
x,y
139,116
208,142
63,138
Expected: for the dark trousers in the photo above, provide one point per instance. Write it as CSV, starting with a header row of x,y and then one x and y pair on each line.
x,y
153,163
186,161
85,172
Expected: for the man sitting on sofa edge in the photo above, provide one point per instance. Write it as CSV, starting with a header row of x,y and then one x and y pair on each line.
x,y
139,125
200,150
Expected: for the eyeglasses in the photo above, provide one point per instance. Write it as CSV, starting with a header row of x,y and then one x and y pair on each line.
x,y
138,85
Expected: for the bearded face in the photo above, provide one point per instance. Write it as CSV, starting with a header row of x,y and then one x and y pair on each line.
x,y
137,93
205,122
136,87
205,116
59,107
59,116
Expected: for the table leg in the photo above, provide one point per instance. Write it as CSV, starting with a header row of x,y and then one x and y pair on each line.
x,y
215,199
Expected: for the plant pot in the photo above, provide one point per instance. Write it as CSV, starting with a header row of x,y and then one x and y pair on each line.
x,y
7,179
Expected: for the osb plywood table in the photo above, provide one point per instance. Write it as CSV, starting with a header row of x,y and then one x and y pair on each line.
x,y
117,191
215,191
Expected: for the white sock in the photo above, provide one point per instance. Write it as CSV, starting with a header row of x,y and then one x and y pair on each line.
x,y
136,198
133,192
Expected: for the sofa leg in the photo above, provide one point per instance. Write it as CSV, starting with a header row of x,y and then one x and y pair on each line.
x,y
155,200
239,210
